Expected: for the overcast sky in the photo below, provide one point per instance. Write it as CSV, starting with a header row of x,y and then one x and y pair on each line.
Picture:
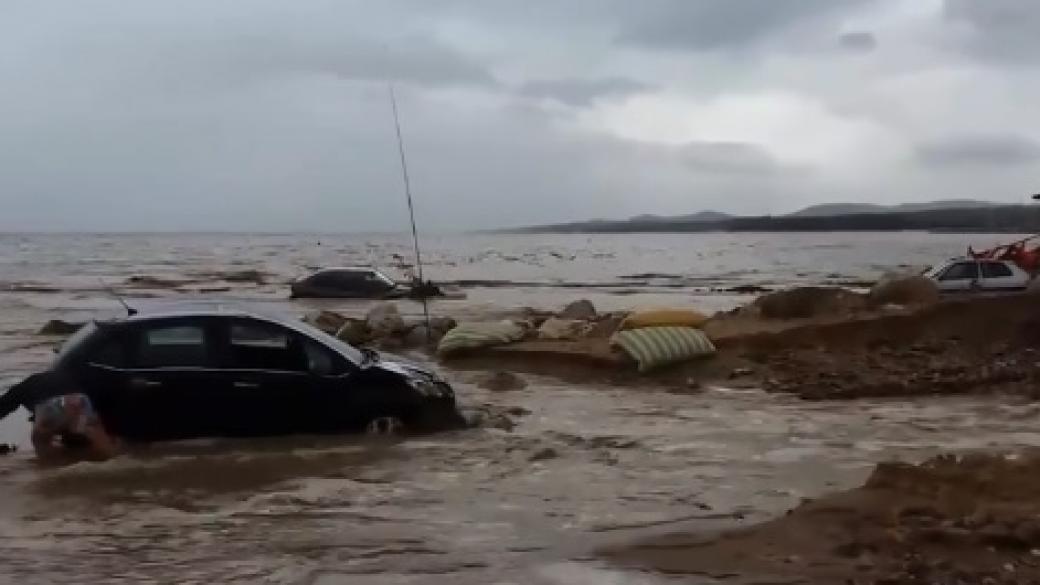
x,y
274,115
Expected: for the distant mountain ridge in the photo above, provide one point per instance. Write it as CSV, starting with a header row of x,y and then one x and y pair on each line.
x,y
830,209
943,215
699,216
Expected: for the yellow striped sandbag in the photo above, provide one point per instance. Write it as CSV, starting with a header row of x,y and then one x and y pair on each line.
x,y
663,318
653,347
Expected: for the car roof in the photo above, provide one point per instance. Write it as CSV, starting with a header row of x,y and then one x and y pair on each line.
x,y
204,309
967,259
346,269
201,309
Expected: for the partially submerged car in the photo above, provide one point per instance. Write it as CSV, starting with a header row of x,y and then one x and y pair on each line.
x,y
356,282
359,282
214,372
978,275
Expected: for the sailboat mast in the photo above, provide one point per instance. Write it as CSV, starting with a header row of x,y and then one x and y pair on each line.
x,y
411,207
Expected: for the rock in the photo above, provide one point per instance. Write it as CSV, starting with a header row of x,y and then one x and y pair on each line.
x,y
328,321
518,411
389,343
809,301
583,310
59,327
746,289
691,386
605,327
253,276
384,320
740,373
146,281
354,332
442,325
903,290
498,421
559,329
420,336
544,454
502,382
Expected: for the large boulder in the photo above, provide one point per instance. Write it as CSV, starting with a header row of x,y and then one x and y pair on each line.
x,y
903,290
328,321
420,336
605,326
441,325
561,329
384,320
809,301
354,332
583,310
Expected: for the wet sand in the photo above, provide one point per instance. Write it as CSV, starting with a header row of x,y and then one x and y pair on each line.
x,y
969,519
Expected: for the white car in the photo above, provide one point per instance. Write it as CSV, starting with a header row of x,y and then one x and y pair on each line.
x,y
969,274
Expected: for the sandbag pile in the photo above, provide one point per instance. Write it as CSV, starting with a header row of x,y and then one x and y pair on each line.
x,y
664,336
470,336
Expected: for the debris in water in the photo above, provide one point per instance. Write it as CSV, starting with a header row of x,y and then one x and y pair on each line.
x,y
59,327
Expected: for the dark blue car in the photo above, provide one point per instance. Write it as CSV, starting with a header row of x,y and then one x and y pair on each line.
x,y
215,372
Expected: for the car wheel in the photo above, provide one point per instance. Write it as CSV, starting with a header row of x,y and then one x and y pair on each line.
x,y
385,425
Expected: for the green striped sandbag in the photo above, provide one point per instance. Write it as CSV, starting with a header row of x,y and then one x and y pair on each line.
x,y
474,335
657,346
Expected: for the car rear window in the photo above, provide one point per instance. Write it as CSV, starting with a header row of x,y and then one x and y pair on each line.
x,y
264,346
995,270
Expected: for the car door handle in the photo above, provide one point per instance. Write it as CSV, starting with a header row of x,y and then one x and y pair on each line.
x,y
246,385
145,383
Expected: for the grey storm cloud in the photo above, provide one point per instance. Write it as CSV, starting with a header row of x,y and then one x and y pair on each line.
x,y
1000,29
980,149
411,59
581,92
858,41
710,24
262,114
728,157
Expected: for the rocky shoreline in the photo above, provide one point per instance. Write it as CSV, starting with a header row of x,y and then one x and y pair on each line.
x,y
816,343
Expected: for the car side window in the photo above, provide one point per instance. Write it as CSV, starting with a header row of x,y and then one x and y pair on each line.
x,y
172,346
112,353
255,345
995,270
961,271
324,280
350,280
323,362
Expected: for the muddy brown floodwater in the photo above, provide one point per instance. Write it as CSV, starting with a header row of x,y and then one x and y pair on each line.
x,y
587,467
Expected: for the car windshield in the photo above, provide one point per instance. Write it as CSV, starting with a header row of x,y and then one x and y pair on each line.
x,y
77,338
389,281
936,270
352,353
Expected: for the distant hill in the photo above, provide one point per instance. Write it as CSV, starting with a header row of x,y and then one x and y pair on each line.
x,y
832,209
952,215
701,216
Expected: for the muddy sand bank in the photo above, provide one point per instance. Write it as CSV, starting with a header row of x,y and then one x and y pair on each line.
x,y
976,345
970,519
